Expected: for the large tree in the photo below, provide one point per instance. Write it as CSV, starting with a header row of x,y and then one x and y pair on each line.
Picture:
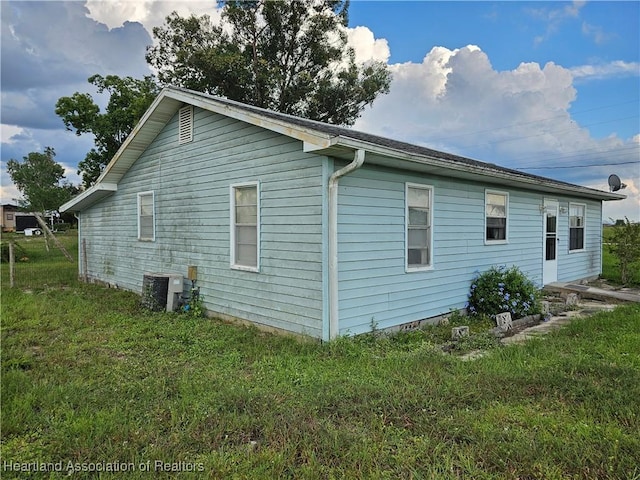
x,y
40,180
289,56
129,98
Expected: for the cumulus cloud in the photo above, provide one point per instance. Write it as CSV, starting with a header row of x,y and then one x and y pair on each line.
x,y
366,46
455,101
150,13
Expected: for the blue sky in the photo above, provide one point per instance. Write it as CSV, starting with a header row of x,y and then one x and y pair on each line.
x,y
549,87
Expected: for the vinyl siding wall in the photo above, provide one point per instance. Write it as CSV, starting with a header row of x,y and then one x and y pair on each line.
x,y
374,288
192,214
584,263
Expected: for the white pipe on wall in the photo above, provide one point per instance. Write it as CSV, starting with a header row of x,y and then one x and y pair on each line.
x,y
357,162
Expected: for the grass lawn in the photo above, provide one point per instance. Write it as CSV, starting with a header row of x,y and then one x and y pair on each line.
x,y
92,382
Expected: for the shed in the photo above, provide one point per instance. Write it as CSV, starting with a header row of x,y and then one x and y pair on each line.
x,y
317,229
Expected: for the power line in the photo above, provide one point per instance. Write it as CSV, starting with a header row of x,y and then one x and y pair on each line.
x,y
515,139
555,167
589,153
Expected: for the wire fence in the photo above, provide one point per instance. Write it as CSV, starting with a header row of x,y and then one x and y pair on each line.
x,y
38,261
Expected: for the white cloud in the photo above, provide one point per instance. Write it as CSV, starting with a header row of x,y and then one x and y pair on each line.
x,y
455,101
7,132
616,68
367,47
150,13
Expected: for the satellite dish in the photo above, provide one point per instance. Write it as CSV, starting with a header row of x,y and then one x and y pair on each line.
x,y
615,184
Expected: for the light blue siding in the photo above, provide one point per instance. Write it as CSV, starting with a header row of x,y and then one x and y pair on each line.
x,y
374,287
191,185
192,227
584,263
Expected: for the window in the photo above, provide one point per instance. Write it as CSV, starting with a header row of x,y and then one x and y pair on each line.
x,y
245,226
146,216
576,226
9,216
418,219
185,125
496,211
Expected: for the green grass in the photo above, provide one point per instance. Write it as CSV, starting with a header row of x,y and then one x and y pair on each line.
x,y
90,378
38,268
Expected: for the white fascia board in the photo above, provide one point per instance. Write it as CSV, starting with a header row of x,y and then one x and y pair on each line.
x,y
89,197
539,183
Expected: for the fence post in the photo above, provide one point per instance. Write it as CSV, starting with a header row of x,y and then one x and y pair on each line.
x,y
12,265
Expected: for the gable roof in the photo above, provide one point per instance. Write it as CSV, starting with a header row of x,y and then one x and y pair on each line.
x,y
317,137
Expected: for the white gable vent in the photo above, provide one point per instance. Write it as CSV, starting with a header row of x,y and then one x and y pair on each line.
x,y
185,124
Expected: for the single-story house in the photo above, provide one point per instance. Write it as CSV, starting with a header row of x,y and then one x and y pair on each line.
x,y
316,229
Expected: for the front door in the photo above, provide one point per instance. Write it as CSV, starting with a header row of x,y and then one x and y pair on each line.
x,y
550,246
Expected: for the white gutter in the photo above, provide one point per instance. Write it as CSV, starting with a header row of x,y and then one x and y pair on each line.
x,y
357,162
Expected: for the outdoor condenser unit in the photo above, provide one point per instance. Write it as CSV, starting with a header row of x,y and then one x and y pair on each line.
x,y
162,291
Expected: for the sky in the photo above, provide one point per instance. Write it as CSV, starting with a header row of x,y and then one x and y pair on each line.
x,y
551,88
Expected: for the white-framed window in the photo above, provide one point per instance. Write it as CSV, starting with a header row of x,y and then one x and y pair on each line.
x,y
146,216
185,124
496,216
418,227
245,226
577,215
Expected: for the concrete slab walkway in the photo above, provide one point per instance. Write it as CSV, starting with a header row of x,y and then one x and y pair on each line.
x,y
588,291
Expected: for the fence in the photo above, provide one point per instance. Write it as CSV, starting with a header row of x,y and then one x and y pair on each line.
x,y
36,262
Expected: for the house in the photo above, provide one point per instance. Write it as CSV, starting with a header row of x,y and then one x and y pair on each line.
x,y
316,229
8,215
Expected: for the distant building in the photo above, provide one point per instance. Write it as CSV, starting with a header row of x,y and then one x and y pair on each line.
x,y
8,215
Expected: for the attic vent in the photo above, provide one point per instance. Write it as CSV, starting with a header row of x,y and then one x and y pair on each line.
x,y
185,125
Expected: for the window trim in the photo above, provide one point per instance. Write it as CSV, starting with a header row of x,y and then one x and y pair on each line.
x,y
487,241
153,216
232,226
185,125
584,228
409,268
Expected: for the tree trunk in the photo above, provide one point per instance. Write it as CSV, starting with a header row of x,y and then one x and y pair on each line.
x,y
48,231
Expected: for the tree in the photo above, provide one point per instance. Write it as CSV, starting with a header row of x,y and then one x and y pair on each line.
x,y
129,98
288,56
39,179
625,246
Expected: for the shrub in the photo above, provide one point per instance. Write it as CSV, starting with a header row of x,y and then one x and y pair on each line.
x,y
502,289
625,246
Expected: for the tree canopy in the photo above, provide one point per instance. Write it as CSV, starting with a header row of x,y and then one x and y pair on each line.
x,y
39,179
288,56
129,98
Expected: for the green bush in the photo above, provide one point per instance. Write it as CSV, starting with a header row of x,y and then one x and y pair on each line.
x,y
502,289
624,245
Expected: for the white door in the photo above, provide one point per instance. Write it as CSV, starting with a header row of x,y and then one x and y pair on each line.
x,y
550,245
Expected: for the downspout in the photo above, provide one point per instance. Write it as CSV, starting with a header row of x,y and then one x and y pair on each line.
x,y
357,162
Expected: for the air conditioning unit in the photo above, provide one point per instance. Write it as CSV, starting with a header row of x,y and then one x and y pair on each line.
x,y
161,291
